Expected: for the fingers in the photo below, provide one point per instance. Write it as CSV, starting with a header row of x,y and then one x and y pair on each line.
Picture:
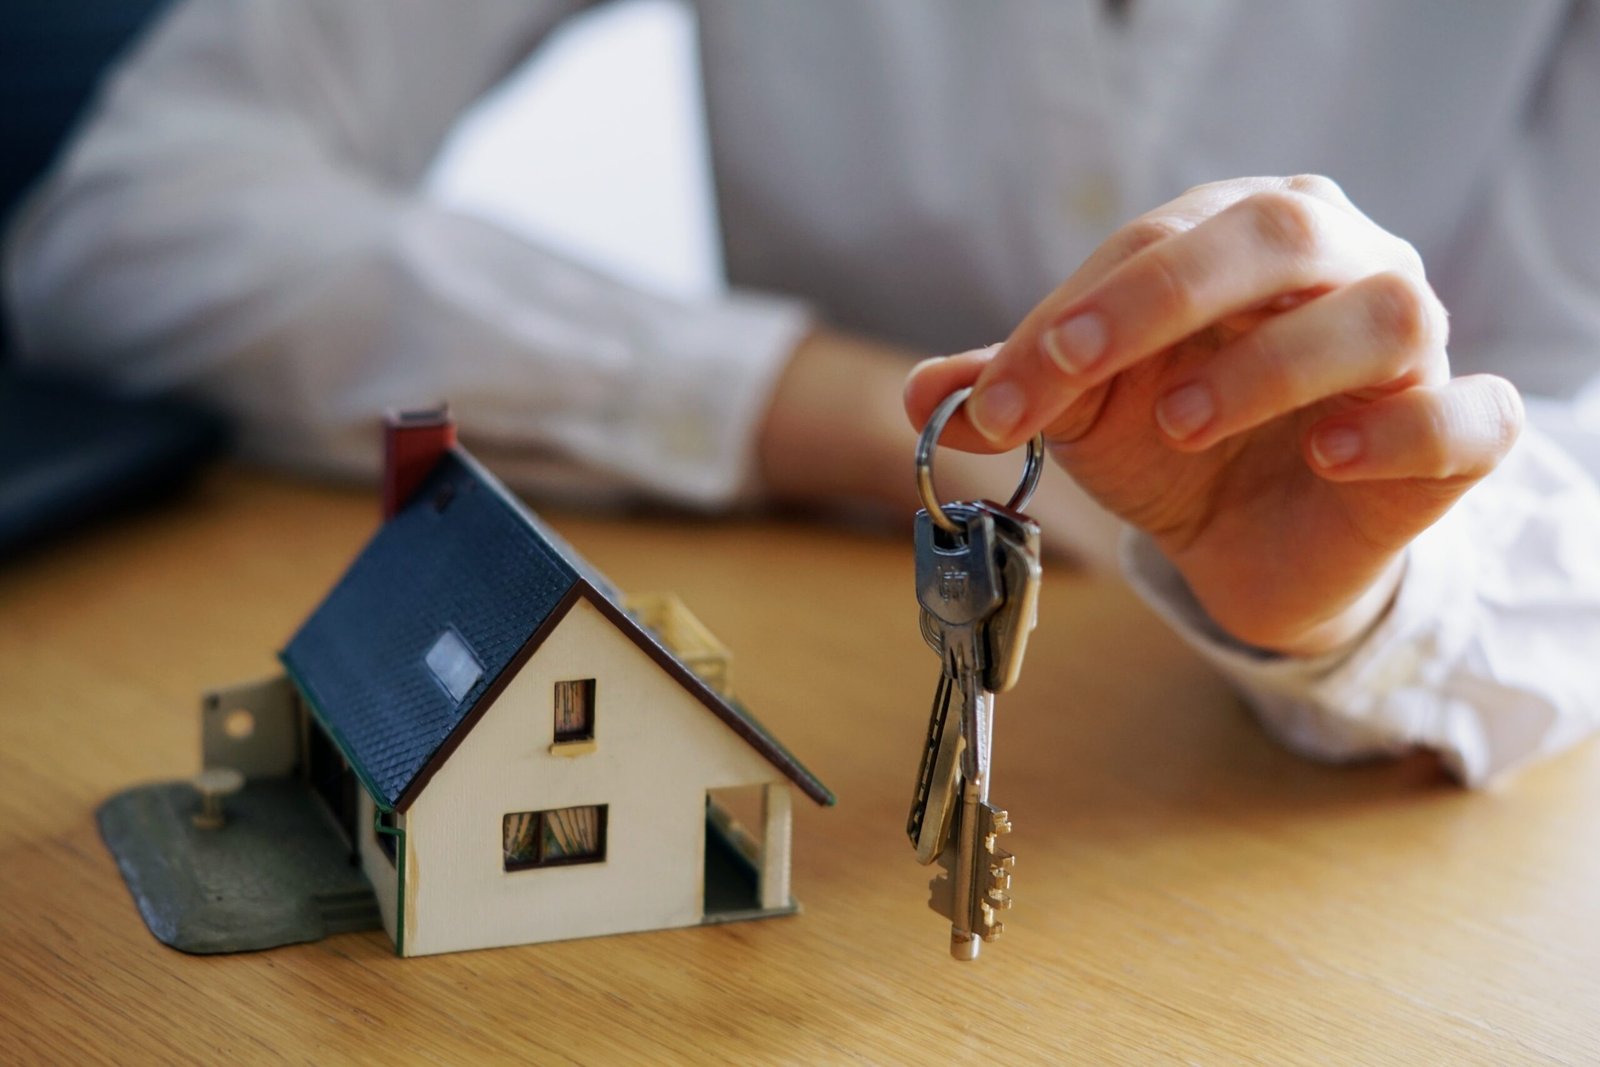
x,y
934,379
1270,245
1180,216
1171,219
1459,431
1382,333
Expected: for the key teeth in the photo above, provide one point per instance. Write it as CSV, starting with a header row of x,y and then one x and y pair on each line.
x,y
990,928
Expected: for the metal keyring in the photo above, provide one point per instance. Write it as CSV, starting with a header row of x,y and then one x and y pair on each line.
x,y
1032,468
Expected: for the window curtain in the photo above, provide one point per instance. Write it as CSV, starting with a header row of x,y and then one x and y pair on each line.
x,y
520,837
571,832
573,701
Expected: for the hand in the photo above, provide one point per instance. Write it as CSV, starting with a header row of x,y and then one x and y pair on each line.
x,y
833,442
1254,374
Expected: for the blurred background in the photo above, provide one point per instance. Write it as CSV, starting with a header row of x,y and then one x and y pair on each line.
x,y
610,109
596,147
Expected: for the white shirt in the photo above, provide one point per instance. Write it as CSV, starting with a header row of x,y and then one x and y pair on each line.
x,y
241,220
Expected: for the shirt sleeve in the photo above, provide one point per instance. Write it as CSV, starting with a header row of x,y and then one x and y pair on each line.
x,y
241,220
1484,656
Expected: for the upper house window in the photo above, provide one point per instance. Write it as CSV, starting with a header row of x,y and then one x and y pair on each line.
x,y
574,711
454,665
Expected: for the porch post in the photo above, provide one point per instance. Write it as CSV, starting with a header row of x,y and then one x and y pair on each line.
x,y
775,838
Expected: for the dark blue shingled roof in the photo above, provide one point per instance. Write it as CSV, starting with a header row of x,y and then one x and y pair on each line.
x,y
464,556
459,555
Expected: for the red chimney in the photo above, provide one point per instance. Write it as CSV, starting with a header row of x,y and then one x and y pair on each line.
x,y
413,441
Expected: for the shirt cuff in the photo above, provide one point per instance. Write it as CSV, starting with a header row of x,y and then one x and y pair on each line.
x,y
1364,700
698,412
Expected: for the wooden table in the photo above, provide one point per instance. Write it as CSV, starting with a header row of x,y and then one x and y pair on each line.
x,y
1187,892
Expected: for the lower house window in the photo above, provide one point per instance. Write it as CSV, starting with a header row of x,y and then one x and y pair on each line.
x,y
554,838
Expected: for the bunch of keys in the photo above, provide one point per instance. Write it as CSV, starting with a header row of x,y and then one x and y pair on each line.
x,y
978,583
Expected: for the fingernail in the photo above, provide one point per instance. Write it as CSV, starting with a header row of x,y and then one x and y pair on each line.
x,y
996,409
1185,411
986,353
1335,446
1078,343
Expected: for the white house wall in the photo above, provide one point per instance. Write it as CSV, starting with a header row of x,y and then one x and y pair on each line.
x,y
657,751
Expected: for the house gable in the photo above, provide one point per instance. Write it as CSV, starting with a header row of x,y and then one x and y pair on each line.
x,y
434,619
735,716
655,755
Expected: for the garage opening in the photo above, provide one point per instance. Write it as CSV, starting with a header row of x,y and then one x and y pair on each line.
x,y
733,852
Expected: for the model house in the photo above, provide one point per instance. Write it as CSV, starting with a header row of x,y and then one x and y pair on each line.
x,y
513,754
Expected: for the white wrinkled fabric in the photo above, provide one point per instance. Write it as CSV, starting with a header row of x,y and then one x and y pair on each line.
x,y
1486,655
241,220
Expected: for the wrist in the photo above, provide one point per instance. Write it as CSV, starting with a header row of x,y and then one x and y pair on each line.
x,y
1288,610
834,432
1350,625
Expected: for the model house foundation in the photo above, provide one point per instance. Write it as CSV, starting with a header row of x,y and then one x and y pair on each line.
x,y
507,750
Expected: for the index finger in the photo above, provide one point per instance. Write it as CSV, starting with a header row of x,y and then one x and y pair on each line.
x,y
933,380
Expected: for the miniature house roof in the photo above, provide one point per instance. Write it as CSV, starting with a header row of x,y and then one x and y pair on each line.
x,y
437,614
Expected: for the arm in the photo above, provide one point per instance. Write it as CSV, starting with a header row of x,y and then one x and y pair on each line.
x,y
1469,635
1485,654
241,220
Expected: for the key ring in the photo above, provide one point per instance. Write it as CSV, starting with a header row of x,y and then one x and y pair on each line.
x,y
1032,468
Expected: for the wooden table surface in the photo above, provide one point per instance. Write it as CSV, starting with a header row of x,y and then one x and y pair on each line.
x,y
1186,891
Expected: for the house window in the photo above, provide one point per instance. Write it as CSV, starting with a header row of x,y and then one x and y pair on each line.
x,y
554,838
575,711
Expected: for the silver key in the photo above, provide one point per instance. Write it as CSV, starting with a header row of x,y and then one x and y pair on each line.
x,y
977,879
959,589
977,582
933,802
1006,635
1009,628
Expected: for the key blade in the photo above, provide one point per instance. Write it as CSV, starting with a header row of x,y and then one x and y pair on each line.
x,y
977,708
941,889
932,634
933,800
964,941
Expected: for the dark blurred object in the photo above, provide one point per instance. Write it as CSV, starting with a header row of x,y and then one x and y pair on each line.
x,y
52,55
70,451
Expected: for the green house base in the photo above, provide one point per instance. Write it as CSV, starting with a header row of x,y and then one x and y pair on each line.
x,y
276,873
